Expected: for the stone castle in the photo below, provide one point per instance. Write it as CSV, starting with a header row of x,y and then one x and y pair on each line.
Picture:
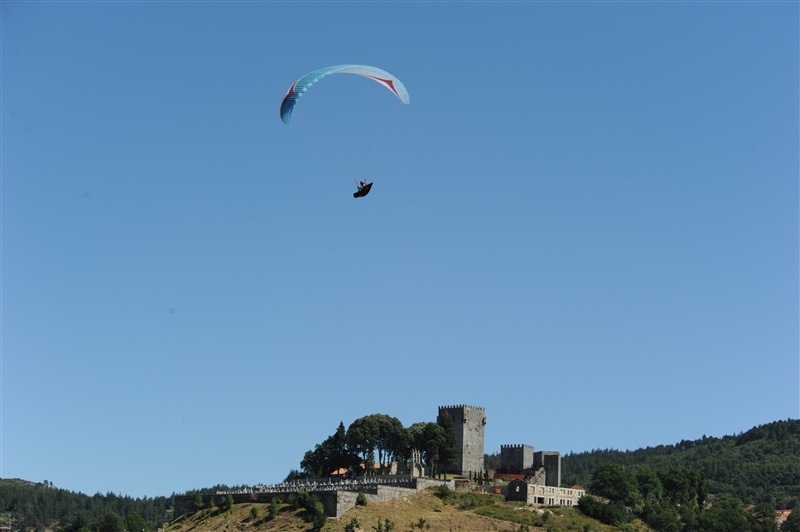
x,y
543,467
536,475
522,459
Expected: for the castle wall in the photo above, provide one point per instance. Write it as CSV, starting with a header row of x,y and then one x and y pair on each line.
x,y
340,501
468,422
336,501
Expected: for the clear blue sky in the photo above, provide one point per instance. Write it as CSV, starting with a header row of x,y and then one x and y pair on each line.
x,y
586,221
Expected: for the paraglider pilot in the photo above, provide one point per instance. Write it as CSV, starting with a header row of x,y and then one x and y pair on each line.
x,y
363,189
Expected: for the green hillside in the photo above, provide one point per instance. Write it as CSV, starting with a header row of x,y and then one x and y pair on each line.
x,y
760,465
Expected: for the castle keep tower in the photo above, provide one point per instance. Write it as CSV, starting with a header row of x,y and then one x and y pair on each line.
x,y
516,458
468,422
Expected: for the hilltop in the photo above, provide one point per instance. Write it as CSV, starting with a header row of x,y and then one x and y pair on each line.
x,y
408,513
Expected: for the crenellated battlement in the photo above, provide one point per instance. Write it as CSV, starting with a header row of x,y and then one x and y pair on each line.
x,y
461,407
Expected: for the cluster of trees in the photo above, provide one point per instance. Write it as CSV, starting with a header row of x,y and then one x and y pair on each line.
x,y
111,522
671,501
758,466
205,500
382,437
664,500
40,506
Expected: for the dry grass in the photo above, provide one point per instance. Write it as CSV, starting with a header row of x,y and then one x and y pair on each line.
x,y
404,513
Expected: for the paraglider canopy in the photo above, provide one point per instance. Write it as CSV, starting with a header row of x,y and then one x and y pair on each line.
x,y
376,74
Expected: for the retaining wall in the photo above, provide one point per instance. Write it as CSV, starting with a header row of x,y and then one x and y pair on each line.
x,y
335,501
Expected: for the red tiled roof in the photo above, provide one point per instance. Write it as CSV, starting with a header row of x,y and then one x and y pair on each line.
x,y
343,470
782,516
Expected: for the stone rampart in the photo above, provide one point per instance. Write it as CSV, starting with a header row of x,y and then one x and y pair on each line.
x,y
336,496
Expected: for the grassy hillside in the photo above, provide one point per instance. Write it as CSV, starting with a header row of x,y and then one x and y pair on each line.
x,y
462,513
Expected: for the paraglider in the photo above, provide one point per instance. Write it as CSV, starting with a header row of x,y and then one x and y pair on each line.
x,y
300,86
363,189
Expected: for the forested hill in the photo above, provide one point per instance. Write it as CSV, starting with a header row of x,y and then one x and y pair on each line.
x,y
760,465
28,505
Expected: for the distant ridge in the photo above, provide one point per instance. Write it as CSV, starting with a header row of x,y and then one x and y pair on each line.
x,y
760,465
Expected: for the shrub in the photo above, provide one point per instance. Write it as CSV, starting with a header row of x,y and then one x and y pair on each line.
x,y
662,517
226,503
469,501
273,507
388,526
196,503
255,511
315,511
444,493
591,506
617,514
318,517
361,500
610,513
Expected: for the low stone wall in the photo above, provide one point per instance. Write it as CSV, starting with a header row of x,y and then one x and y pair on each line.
x,y
347,499
337,498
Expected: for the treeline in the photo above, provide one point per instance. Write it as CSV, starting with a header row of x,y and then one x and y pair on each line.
x,y
41,506
758,466
672,500
382,438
